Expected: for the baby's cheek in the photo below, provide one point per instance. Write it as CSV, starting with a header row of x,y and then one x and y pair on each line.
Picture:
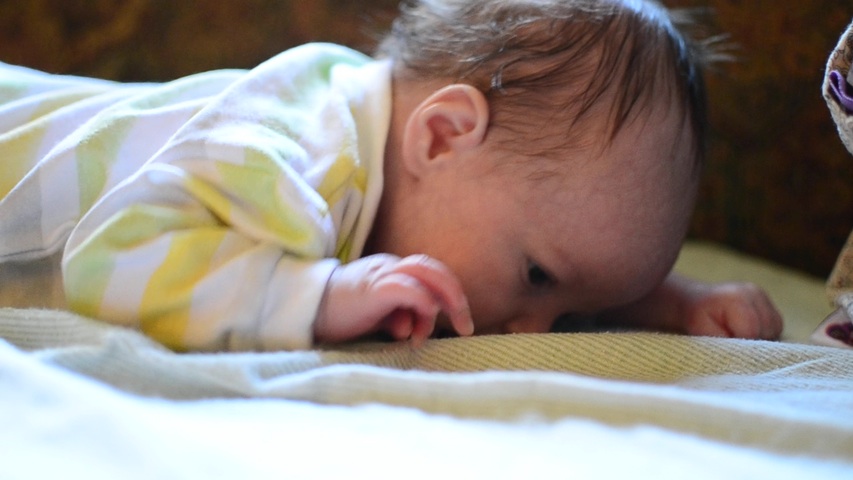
x,y
491,287
490,314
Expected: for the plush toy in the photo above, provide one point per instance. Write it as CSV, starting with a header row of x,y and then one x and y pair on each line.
x,y
837,329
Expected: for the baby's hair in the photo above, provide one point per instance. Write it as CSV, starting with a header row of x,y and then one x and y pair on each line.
x,y
528,53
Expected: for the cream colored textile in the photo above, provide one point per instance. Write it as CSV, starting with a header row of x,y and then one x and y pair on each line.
x,y
513,406
784,398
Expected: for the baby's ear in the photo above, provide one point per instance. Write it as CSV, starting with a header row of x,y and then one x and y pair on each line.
x,y
448,122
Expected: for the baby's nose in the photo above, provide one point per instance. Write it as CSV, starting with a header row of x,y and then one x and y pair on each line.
x,y
538,323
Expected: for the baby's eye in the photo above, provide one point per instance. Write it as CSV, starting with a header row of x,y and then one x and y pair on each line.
x,y
537,276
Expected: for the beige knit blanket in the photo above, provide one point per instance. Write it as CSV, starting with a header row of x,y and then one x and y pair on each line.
x,y
784,398
670,406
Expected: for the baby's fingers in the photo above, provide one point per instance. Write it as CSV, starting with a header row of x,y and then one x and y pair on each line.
x,y
444,285
755,315
413,307
770,319
399,324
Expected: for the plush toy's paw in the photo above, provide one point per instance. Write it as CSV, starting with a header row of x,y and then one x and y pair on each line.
x,y
835,331
842,90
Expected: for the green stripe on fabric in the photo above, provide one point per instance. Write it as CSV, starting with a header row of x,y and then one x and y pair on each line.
x,y
255,184
18,154
96,154
11,89
86,275
99,150
19,147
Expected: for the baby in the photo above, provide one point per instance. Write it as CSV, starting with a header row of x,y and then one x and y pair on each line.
x,y
501,163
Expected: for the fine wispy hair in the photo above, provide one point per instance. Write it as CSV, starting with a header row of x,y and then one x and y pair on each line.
x,y
526,54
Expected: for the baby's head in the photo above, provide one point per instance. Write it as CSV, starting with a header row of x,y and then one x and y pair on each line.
x,y
547,151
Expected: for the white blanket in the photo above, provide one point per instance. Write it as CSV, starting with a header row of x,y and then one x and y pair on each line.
x,y
104,402
58,425
80,399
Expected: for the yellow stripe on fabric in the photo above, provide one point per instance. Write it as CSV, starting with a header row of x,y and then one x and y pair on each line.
x,y
88,268
167,302
131,233
337,180
342,176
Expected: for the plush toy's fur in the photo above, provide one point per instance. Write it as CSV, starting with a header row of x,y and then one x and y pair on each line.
x,y
837,87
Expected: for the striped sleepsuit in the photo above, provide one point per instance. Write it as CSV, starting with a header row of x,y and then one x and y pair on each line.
x,y
208,211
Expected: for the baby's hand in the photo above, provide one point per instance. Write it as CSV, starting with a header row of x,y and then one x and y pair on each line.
x,y
402,297
731,310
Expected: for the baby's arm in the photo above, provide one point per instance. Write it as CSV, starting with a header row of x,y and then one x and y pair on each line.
x,y
183,261
401,297
189,262
688,306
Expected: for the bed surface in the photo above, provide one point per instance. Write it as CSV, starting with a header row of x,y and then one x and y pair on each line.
x,y
106,402
81,399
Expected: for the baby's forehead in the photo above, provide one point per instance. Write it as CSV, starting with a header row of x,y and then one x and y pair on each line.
x,y
547,136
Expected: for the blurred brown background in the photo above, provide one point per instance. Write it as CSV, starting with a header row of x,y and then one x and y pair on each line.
x,y
778,184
